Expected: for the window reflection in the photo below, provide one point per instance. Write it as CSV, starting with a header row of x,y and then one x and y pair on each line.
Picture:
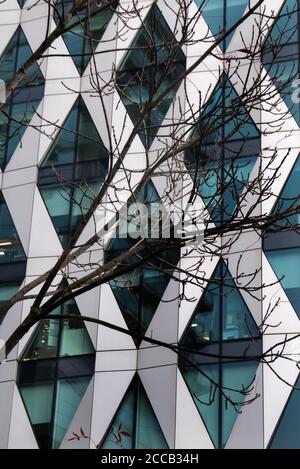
x,y
79,158
221,327
23,101
142,68
135,425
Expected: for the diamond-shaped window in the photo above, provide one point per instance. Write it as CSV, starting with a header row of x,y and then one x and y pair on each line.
x,y
23,101
12,255
281,243
54,373
144,65
140,291
221,327
220,19
73,171
229,143
286,434
89,26
281,54
135,425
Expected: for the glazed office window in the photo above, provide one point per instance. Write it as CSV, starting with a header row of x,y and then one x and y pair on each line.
x,y
229,143
23,101
54,373
282,248
281,57
143,67
221,326
12,255
289,278
221,15
135,425
140,291
60,337
89,27
286,434
73,171
11,249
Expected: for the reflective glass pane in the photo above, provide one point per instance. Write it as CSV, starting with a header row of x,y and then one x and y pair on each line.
x,y
229,144
288,197
45,341
88,26
206,322
75,339
143,67
236,377
135,425
11,249
69,394
205,395
221,303
38,400
73,171
289,277
282,62
238,322
121,432
287,433
24,100
148,431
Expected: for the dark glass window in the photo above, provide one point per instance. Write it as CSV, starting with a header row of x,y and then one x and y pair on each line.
x,y
221,15
89,26
287,433
221,327
73,171
23,101
282,53
140,291
135,425
229,144
144,67
12,255
54,373
281,241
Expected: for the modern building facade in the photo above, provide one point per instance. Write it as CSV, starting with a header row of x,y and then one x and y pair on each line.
x,y
70,384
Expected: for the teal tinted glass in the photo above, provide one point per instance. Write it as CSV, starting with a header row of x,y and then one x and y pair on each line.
x,y
221,326
287,434
73,171
206,396
135,425
38,400
281,56
69,394
236,376
221,15
54,373
140,291
229,143
7,290
143,67
12,256
289,277
60,338
11,250
221,304
88,29
287,198
24,100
